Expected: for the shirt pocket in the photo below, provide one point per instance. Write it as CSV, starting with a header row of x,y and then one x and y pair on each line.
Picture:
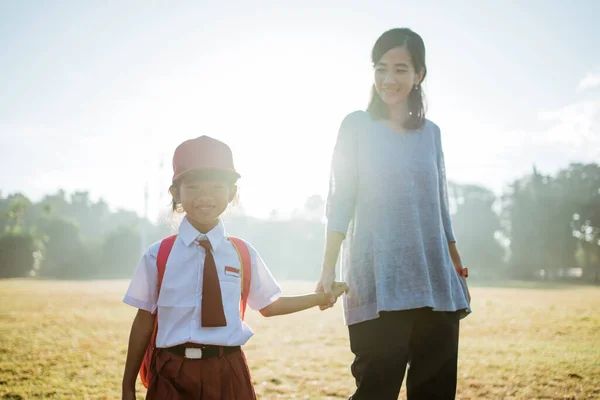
x,y
230,276
179,290
229,270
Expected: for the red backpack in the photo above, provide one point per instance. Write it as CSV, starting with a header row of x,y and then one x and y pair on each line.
x,y
147,370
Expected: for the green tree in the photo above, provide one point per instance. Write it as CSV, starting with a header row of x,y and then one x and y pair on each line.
x,y
476,226
66,255
17,249
120,253
582,185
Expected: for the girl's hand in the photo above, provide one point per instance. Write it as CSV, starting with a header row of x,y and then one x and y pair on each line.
x,y
326,285
128,394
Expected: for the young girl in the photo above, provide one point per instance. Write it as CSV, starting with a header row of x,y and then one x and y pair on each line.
x,y
388,202
200,299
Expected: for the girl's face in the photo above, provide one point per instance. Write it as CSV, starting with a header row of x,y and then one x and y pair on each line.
x,y
395,76
205,200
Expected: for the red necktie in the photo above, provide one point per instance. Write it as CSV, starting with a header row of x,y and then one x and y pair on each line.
x,y
212,302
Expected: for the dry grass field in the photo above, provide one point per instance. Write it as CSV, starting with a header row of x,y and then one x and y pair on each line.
x,y
67,340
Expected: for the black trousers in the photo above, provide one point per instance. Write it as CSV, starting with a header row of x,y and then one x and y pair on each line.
x,y
425,340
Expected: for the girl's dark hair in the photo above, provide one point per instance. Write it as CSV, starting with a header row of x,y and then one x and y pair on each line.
x,y
401,37
213,175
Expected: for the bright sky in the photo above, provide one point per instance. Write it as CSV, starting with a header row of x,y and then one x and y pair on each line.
x,y
96,95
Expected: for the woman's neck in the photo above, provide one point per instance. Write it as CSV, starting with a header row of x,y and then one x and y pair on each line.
x,y
398,114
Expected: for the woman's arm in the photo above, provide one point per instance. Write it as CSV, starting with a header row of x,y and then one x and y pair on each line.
x,y
445,209
341,199
333,245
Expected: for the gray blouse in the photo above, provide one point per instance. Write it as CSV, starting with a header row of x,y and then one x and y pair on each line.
x,y
388,194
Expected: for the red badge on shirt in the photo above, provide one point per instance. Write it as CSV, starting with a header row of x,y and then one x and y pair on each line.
x,y
232,271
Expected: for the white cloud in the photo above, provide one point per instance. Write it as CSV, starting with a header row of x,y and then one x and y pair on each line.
x,y
485,155
573,135
591,80
576,124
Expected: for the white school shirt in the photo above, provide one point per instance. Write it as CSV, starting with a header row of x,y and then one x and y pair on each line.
x,y
179,303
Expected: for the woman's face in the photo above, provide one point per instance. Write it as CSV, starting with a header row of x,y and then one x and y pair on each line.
x,y
395,76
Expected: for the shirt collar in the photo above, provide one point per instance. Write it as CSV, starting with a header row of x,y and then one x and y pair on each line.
x,y
189,234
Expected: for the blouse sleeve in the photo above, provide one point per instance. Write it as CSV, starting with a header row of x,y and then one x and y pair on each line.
x,y
444,203
343,177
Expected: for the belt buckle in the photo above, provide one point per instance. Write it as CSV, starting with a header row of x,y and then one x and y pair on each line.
x,y
193,353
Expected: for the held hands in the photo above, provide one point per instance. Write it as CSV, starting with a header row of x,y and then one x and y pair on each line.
x,y
337,289
331,288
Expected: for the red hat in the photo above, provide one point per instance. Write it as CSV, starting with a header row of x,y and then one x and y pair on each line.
x,y
203,152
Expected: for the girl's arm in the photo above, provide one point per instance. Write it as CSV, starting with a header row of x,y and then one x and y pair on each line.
x,y
291,304
141,330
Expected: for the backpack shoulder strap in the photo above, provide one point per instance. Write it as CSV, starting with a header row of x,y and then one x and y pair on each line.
x,y
163,255
147,367
246,262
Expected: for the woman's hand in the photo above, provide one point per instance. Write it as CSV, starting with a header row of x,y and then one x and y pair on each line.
x,y
456,260
467,287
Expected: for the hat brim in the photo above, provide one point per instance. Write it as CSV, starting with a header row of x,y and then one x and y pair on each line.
x,y
208,173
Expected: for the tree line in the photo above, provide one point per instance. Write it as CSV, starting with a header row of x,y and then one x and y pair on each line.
x,y
541,227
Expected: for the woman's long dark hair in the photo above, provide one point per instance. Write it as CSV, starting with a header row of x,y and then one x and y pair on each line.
x,y
401,37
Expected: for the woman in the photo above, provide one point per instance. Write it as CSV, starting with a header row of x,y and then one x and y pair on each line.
x,y
388,202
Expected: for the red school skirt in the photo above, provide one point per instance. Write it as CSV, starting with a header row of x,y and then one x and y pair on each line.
x,y
218,378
